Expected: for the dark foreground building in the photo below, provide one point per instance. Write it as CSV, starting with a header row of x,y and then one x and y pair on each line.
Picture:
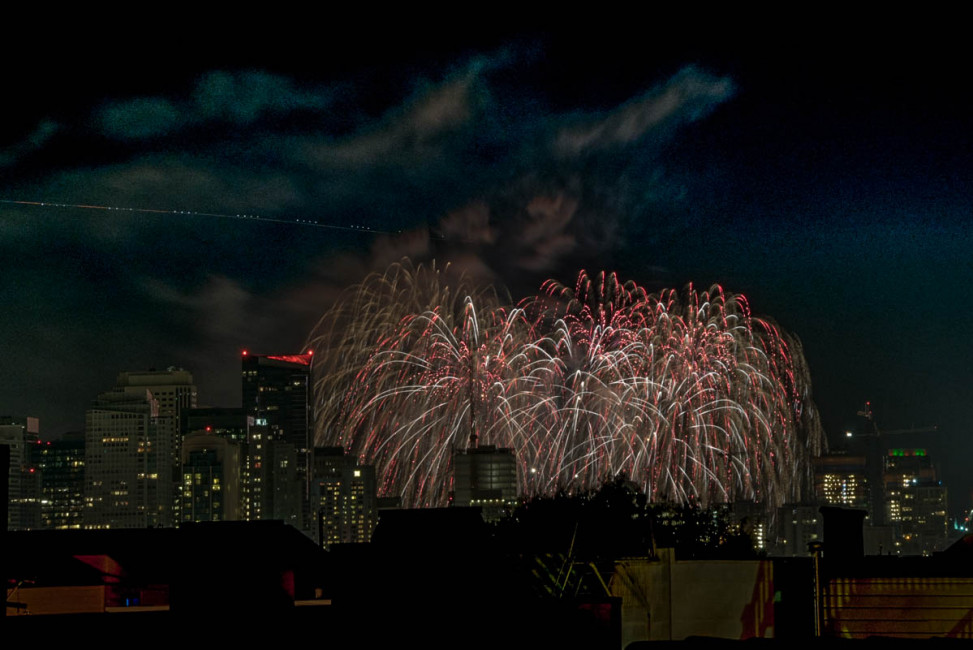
x,y
204,567
431,577
439,578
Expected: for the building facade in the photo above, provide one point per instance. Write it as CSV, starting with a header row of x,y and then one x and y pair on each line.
x,y
174,391
842,480
915,502
485,476
343,497
128,462
61,466
21,435
276,392
211,486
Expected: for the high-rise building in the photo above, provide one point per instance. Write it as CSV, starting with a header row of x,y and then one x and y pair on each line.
x,y
61,466
23,485
343,496
229,424
276,488
798,525
128,462
748,517
276,403
172,388
485,476
842,480
175,392
915,502
211,479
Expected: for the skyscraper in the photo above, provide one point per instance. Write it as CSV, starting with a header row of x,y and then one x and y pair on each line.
x,y
276,490
21,435
343,496
276,403
229,424
128,462
172,388
175,392
797,526
275,387
61,466
841,479
485,476
915,502
210,479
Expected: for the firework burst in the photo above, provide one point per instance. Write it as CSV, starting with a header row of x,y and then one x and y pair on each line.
x,y
686,393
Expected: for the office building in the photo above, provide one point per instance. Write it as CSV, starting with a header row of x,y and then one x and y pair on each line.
x,y
229,424
842,480
747,517
61,467
20,435
128,462
172,388
343,497
210,479
276,488
485,476
174,391
277,407
915,501
798,525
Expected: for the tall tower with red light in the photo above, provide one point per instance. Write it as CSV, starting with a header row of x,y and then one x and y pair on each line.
x,y
276,402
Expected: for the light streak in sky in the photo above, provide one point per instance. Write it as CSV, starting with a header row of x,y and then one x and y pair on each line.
x,y
685,392
194,213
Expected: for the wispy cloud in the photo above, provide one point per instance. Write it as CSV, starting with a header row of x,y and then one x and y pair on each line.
x,y
34,141
688,96
219,97
453,169
407,131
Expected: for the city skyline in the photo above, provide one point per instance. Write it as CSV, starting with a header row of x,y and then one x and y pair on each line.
x,y
824,183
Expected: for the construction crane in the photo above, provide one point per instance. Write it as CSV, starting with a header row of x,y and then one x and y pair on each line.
x,y
874,460
868,415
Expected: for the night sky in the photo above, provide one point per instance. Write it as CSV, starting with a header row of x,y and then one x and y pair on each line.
x,y
827,179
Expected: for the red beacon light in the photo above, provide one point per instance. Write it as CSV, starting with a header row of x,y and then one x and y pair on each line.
x,y
245,353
